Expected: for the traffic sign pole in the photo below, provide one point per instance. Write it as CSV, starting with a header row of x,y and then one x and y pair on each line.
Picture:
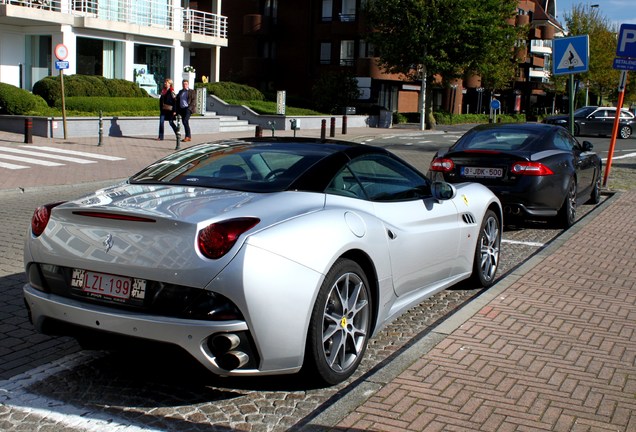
x,y
617,121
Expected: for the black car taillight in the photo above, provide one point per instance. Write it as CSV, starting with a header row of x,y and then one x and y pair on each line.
x,y
442,164
530,169
41,217
217,239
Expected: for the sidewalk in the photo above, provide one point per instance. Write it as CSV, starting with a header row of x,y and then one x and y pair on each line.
x,y
552,346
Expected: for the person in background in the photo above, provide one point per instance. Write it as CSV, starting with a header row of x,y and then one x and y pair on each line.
x,y
186,103
167,108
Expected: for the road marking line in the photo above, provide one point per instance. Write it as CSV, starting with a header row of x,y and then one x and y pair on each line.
x,y
76,153
628,155
46,156
523,243
30,160
12,166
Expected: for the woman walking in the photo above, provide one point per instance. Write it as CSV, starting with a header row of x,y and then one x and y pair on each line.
x,y
167,107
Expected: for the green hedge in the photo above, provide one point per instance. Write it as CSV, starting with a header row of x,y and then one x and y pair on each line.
x,y
232,91
109,105
16,101
50,89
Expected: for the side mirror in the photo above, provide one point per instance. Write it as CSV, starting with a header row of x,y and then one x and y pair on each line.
x,y
443,191
587,146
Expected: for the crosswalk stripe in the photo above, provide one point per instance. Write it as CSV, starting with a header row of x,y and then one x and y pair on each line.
x,y
12,166
75,153
30,160
48,156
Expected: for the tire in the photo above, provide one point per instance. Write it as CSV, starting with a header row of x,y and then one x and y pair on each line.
x,y
595,196
486,260
339,333
625,132
577,129
567,213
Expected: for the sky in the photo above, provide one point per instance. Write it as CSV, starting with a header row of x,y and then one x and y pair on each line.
x,y
617,11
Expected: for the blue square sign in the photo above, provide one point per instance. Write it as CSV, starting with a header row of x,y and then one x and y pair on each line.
x,y
626,41
571,55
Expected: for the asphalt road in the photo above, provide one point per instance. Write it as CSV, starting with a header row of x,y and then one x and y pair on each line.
x,y
162,389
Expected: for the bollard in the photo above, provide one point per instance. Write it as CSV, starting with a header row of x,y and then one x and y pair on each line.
x,y
178,133
323,129
259,131
344,124
332,127
100,132
28,130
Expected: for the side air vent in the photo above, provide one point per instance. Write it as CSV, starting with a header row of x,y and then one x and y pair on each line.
x,y
468,218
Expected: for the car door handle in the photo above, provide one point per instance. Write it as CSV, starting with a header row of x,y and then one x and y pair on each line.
x,y
391,234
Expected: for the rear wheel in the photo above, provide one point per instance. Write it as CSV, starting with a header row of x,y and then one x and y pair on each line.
x,y
625,132
340,324
595,196
577,129
567,213
486,258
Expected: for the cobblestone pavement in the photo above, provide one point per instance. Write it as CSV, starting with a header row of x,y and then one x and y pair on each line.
x,y
554,354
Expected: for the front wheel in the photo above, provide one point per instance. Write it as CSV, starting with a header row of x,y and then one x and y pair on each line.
x,y
567,213
595,196
486,258
625,132
340,324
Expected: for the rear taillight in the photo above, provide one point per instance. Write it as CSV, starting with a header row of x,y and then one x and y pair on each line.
x,y
442,164
41,217
217,239
530,169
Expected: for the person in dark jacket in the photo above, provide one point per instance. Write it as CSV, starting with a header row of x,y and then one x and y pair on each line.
x,y
167,107
186,104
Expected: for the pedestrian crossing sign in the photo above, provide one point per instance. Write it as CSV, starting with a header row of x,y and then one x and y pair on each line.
x,y
571,55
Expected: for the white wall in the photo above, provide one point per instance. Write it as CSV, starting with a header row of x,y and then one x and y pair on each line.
x,y
11,55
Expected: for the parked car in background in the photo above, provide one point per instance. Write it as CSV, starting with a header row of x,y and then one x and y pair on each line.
x,y
593,120
258,256
537,170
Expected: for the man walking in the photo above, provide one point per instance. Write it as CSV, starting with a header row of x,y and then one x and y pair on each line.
x,y
186,102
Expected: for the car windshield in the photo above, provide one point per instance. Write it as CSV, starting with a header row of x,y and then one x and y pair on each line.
x,y
498,140
257,167
584,111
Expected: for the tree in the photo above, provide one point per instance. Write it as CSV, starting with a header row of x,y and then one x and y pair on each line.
x,y
601,77
335,90
422,38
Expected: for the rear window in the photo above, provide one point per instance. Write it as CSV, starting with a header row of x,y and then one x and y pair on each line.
x,y
498,140
256,167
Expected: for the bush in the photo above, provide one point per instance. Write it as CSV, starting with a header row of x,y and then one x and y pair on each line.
x,y
232,91
16,101
50,89
110,105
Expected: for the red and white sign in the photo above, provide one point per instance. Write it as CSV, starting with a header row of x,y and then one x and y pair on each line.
x,y
61,52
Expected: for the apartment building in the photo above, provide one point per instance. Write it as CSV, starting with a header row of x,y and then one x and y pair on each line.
x,y
138,40
288,44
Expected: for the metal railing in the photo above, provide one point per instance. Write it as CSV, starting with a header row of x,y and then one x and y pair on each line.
x,y
151,13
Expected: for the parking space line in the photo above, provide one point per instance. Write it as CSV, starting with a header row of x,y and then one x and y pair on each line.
x,y
525,243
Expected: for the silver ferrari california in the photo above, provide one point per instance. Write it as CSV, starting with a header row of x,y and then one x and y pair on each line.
x,y
258,256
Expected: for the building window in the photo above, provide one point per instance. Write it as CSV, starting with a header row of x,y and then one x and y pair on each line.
x,y
347,52
325,53
348,11
327,10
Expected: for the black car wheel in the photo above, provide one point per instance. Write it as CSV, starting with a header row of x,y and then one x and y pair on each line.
x,y
595,196
577,130
625,132
567,212
486,258
340,324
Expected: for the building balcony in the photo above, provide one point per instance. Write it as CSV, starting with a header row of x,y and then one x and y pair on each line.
x,y
148,18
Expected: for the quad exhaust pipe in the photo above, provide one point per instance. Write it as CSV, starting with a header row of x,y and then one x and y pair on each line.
x,y
223,346
512,210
